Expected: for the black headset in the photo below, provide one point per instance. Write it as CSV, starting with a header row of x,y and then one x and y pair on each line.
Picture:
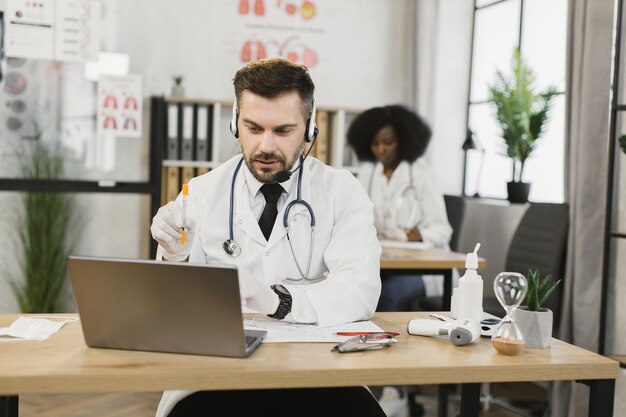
x,y
310,132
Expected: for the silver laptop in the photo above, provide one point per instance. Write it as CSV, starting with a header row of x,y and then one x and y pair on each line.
x,y
158,306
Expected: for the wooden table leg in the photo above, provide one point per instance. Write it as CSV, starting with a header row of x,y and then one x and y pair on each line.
x,y
9,406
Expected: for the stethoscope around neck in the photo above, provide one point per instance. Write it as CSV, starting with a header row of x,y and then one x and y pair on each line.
x,y
406,205
232,248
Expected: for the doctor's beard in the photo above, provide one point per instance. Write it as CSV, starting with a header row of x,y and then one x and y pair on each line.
x,y
268,176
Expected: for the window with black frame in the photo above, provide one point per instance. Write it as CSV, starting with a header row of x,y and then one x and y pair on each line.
x,y
538,28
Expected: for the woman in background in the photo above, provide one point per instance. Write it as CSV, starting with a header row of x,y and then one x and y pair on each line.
x,y
389,142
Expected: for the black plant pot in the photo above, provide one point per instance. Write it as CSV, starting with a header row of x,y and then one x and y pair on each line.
x,y
518,191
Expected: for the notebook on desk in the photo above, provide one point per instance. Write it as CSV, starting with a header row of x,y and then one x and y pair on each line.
x,y
159,306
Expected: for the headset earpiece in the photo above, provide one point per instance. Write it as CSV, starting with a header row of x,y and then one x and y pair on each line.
x,y
311,130
233,121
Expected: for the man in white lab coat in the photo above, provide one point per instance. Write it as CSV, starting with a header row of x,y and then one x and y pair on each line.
x,y
236,214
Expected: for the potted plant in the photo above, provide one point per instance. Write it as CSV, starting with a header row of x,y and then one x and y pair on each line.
x,y
534,321
521,113
44,239
178,90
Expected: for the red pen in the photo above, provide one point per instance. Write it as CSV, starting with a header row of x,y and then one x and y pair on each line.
x,y
365,333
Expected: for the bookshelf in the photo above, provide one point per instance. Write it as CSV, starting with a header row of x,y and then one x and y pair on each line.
x,y
193,137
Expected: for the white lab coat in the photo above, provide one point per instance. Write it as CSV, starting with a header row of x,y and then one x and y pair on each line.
x,y
345,243
433,224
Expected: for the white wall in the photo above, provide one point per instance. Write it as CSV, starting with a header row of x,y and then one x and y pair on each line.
x,y
165,38
442,67
161,41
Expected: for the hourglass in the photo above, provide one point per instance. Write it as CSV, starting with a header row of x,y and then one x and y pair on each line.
x,y
510,289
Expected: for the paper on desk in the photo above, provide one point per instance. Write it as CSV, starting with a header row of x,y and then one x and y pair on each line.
x,y
282,331
404,245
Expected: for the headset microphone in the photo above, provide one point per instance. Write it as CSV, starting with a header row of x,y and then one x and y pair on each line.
x,y
284,175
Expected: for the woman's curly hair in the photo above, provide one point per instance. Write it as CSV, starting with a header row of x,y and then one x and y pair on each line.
x,y
412,131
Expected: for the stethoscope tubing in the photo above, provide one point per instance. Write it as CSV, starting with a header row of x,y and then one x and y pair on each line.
x,y
409,187
233,249
232,200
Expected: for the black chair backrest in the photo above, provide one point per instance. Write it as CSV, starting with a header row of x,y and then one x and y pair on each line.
x,y
455,208
540,242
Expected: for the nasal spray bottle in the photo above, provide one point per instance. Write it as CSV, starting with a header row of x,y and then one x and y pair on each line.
x,y
466,328
471,290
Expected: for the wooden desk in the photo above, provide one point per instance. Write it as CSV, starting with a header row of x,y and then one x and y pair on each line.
x,y
621,359
426,262
64,364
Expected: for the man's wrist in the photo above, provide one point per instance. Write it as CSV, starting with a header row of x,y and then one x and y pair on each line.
x,y
284,302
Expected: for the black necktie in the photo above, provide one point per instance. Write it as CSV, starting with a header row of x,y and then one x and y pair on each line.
x,y
272,193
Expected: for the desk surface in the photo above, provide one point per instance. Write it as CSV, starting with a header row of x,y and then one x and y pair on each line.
x,y
64,364
433,258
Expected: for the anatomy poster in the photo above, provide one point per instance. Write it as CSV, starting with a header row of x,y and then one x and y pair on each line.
x,y
119,111
339,41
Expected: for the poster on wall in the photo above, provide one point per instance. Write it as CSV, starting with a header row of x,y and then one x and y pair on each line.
x,y
62,30
120,107
77,34
30,29
338,41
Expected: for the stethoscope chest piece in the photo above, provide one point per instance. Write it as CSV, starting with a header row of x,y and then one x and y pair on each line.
x,y
232,248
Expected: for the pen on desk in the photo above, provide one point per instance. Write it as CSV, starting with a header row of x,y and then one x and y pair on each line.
x,y
365,333
185,193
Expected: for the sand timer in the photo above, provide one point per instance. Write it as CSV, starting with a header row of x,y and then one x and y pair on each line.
x,y
510,289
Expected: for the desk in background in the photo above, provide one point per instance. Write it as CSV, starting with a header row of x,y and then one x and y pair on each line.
x,y
64,364
430,261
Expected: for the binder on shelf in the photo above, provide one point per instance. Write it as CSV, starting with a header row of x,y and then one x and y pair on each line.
x,y
201,171
187,173
187,142
323,138
203,131
173,184
173,149
163,194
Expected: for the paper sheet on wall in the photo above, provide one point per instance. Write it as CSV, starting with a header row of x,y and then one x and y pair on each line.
x,y
77,30
30,29
282,331
120,106
63,30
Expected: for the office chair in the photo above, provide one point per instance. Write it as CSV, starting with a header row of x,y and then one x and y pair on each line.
x,y
539,242
455,209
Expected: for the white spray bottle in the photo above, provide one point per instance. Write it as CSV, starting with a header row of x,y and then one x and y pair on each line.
x,y
471,290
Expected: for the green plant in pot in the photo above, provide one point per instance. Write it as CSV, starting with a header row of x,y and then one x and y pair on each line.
x,y
622,143
533,320
521,113
44,239
178,89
